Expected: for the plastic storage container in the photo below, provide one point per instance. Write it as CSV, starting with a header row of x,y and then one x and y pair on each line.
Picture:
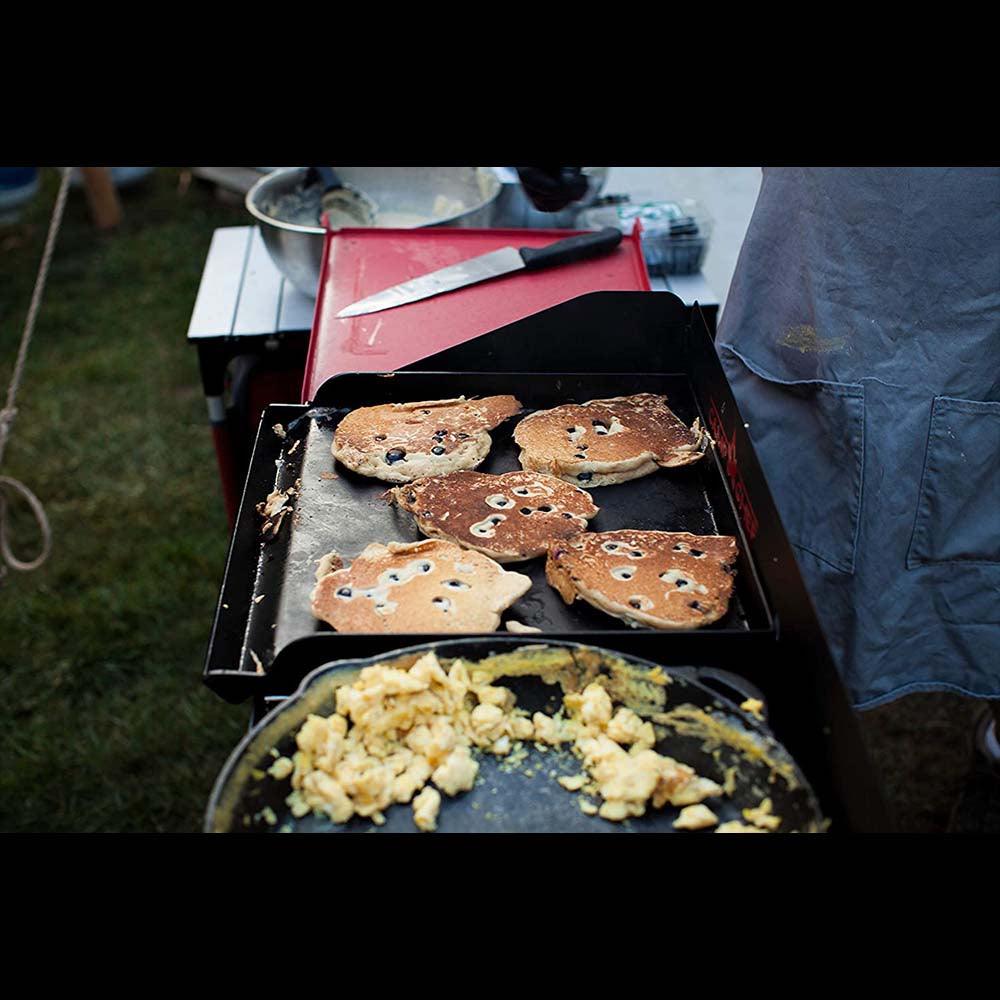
x,y
675,234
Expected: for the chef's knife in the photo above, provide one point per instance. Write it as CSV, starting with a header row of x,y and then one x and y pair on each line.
x,y
489,265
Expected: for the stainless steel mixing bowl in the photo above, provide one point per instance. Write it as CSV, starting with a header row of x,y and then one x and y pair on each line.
x,y
442,196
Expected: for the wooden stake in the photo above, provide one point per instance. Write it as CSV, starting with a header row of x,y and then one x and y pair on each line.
x,y
105,208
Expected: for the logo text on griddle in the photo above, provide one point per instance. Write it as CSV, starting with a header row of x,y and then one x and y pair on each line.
x,y
727,449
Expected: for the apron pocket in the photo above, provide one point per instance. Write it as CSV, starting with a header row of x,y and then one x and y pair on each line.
x,y
958,507
809,437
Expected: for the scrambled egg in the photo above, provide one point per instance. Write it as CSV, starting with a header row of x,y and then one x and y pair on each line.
x,y
393,732
628,779
425,809
695,818
406,736
763,816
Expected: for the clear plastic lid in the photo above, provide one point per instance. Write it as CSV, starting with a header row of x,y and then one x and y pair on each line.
x,y
673,220
675,234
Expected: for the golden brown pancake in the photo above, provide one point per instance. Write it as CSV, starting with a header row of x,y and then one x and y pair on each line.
x,y
427,586
664,579
399,442
509,517
608,441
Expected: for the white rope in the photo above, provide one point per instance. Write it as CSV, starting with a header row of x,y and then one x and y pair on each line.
x,y
9,412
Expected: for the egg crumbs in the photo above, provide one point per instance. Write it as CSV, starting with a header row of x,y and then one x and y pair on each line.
x,y
763,816
281,768
406,736
425,809
696,817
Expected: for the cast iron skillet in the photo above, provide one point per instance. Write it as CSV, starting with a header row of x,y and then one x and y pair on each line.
x,y
526,798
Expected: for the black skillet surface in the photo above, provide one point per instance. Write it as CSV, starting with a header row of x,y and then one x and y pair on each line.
x,y
338,510
525,798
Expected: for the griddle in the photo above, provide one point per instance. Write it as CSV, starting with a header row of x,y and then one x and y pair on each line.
x,y
604,343
525,798
348,513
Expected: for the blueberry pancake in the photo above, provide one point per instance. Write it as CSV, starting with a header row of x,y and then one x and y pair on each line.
x,y
427,586
608,441
400,442
663,579
510,517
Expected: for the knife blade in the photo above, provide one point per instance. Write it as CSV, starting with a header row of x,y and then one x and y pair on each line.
x,y
485,267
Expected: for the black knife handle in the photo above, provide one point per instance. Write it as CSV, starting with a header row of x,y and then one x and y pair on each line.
x,y
571,249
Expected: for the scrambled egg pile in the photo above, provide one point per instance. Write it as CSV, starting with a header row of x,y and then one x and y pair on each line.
x,y
411,727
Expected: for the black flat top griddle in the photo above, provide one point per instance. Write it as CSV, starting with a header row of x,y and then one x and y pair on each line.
x,y
341,511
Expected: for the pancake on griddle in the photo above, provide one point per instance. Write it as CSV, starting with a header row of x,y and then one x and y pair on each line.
x,y
510,517
426,586
663,579
608,441
400,442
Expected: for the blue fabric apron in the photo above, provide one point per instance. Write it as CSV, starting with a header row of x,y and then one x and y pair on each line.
x,y
861,335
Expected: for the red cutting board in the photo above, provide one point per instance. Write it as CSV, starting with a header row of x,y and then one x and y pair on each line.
x,y
360,262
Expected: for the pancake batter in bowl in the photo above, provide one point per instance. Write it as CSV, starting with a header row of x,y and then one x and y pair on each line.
x,y
302,207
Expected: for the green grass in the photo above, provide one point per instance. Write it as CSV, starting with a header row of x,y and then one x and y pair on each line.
x,y
106,724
